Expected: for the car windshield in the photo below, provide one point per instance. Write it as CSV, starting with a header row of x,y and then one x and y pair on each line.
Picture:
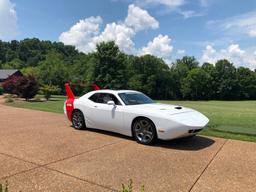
x,y
133,98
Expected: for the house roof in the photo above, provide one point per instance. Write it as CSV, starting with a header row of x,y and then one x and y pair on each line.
x,y
5,73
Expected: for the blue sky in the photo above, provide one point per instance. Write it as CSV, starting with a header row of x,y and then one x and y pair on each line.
x,y
207,29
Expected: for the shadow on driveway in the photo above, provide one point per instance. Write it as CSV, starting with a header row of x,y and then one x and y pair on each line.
x,y
187,144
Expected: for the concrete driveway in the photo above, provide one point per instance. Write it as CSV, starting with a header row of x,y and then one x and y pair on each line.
x,y
39,151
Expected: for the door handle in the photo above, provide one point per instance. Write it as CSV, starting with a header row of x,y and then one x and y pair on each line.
x,y
95,106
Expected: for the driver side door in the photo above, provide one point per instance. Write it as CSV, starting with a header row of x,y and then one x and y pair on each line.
x,y
104,116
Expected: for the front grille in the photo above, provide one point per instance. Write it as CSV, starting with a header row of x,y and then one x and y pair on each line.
x,y
194,130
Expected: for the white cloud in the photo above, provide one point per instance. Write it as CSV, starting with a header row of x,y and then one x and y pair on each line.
x,y
233,53
181,52
159,46
234,49
190,13
8,20
252,32
120,33
139,19
85,34
82,33
209,55
240,24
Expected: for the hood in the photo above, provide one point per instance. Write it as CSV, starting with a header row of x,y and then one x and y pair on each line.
x,y
164,108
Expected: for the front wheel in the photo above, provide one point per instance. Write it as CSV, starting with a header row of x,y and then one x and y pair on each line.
x,y
78,120
144,131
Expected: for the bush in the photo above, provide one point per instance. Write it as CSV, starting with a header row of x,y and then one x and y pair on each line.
x,y
1,90
10,95
23,86
4,188
37,98
129,187
8,99
49,90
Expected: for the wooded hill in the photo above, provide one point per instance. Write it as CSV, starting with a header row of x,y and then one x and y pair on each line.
x,y
54,63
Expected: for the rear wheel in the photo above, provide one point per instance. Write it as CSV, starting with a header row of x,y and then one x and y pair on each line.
x,y
78,120
144,131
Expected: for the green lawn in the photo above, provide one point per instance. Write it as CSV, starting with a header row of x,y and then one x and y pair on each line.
x,y
228,119
55,104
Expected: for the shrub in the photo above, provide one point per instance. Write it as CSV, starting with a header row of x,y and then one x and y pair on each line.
x,y
10,95
129,187
4,188
9,99
23,86
49,90
1,90
37,98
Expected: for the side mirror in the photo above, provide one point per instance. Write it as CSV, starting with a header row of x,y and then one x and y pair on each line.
x,y
111,103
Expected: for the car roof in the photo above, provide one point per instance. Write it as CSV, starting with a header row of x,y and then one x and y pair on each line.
x,y
115,92
112,91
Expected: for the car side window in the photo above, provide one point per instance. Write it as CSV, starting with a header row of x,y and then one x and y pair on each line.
x,y
104,98
110,97
94,97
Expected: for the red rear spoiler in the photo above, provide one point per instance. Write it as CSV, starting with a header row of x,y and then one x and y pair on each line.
x,y
69,92
71,95
95,87
70,101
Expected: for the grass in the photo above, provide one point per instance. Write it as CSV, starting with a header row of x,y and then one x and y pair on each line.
x,y
228,119
55,104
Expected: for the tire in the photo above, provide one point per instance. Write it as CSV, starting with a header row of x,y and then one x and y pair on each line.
x,y
78,120
144,131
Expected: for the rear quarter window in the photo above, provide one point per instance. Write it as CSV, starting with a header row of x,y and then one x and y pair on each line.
x,y
94,97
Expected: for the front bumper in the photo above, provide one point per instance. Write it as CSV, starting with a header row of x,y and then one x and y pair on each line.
x,y
182,125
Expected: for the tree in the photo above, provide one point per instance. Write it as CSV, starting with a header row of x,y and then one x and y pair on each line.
x,y
247,83
110,66
10,85
213,86
24,86
150,75
225,77
49,90
180,69
54,71
54,63
196,85
27,87
1,90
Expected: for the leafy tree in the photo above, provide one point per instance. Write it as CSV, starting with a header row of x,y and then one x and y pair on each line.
x,y
110,66
196,84
150,75
24,86
212,85
180,69
247,83
10,85
225,77
49,90
54,71
27,87
54,63
1,90
13,64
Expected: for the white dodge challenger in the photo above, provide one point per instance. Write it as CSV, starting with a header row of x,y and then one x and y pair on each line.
x,y
133,114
